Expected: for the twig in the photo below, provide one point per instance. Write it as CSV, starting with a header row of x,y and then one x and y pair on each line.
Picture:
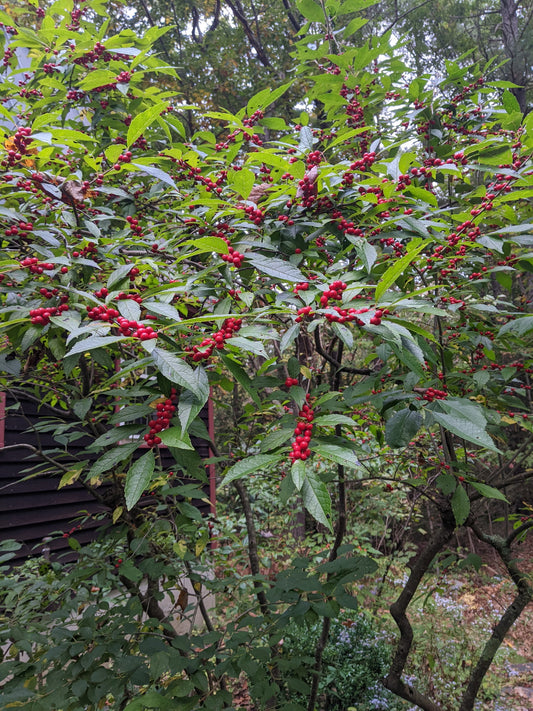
x,y
512,613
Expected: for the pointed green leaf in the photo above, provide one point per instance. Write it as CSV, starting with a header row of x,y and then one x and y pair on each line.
x,y
138,478
276,268
178,371
289,337
396,269
250,465
112,457
466,429
93,342
156,173
298,473
340,455
140,123
119,275
489,491
242,181
241,377
173,437
402,427
275,439
316,498
311,10
332,420
460,505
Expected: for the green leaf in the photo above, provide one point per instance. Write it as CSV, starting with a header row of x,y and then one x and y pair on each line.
x,y
464,409
354,26
93,342
250,465
246,344
289,337
311,10
241,377
520,326
298,473
97,78
277,268
242,181
344,333
178,371
173,437
316,498
109,459
156,173
398,267
340,455
138,478
129,309
275,439
82,407
466,429
402,427
117,276
130,571
332,420
447,483
114,435
460,505
209,244
489,491
188,408
140,123
266,97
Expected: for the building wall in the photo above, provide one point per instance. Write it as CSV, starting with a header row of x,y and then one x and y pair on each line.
x,y
33,508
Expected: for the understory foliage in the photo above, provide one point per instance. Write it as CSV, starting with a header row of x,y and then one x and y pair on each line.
x,y
353,287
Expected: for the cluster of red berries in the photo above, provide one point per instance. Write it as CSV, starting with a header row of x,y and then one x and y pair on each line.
x,y
20,227
126,327
122,296
303,286
304,311
134,225
254,214
124,77
35,266
102,313
348,315
165,411
123,158
334,292
208,345
233,257
21,140
302,433
289,382
313,158
433,394
90,248
41,316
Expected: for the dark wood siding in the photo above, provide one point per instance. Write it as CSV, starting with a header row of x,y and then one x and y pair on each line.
x,y
33,508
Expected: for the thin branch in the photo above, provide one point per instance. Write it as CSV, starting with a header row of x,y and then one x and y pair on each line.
x,y
512,613
237,10
252,545
398,609
404,14
332,361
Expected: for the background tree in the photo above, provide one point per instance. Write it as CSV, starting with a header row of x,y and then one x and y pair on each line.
x,y
359,277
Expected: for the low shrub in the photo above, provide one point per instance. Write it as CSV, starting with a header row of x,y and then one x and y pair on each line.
x,y
355,659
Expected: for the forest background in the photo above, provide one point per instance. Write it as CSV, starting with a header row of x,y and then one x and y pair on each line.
x,y
278,207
